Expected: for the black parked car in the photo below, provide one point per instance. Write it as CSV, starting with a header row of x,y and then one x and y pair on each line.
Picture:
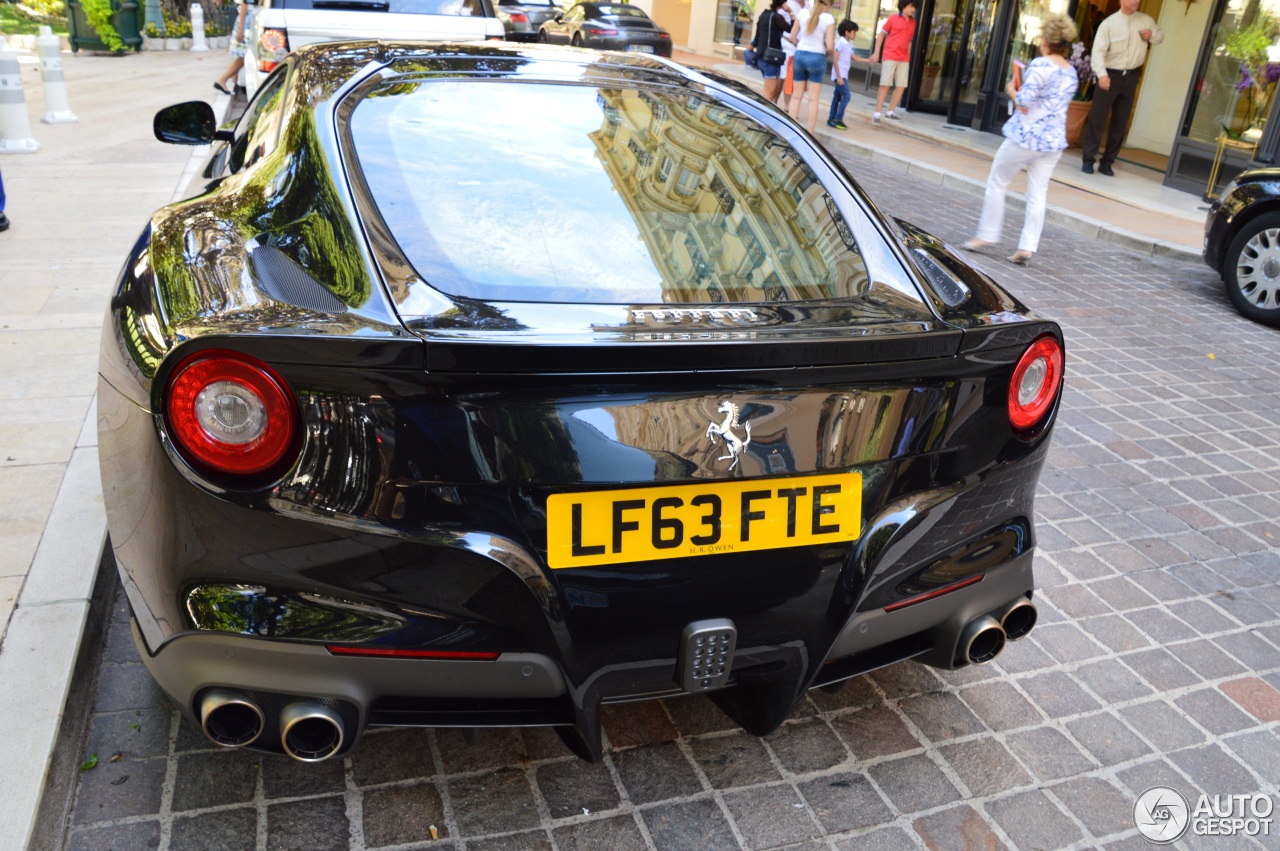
x,y
712,425
607,26
1242,243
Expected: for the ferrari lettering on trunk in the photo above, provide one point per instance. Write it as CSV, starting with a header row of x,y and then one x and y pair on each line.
x,y
647,524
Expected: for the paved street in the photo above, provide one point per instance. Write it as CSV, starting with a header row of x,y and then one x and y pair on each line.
x,y
1157,660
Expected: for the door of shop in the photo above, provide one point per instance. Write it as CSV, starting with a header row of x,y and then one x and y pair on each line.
x,y
954,75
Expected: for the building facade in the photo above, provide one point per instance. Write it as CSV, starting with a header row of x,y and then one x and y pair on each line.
x,y
1206,95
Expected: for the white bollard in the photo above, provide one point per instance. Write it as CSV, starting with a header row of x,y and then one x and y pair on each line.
x,y
57,108
197,28
15,127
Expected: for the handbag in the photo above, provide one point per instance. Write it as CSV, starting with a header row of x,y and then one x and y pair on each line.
x,y
749,57
772,55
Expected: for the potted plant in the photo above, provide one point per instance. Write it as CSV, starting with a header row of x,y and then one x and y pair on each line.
x,y
1251,47
111,26
1078,109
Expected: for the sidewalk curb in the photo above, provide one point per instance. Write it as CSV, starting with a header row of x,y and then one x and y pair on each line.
x,y
49,638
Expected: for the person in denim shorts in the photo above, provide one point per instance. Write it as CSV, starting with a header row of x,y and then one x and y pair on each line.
x,y
770,30
814,36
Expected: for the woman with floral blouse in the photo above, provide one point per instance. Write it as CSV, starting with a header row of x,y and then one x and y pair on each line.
x,y
1034,139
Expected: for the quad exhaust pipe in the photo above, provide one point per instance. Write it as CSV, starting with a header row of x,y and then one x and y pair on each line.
x,y
229,719
1019,620
310,732
982,640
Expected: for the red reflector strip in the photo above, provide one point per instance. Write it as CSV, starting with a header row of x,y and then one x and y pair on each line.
x,y
938,592
470,655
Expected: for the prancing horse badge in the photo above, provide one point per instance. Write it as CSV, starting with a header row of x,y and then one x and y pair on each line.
x,y
724,431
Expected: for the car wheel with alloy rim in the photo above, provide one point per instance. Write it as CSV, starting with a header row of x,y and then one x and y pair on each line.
x,y
1252,270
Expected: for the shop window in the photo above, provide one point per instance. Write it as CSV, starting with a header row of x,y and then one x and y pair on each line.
x,y
1237,76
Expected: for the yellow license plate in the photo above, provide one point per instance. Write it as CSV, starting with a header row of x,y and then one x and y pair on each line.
x,y
677,521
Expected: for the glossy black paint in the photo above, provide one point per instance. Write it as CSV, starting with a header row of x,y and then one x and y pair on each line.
x,y
415,515
1257,191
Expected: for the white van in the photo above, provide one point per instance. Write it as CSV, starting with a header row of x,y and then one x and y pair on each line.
x,y
280,26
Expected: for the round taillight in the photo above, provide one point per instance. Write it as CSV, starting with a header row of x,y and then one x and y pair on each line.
x,y
1035,384
231,413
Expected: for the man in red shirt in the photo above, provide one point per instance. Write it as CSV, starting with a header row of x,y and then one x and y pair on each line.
x,y
894,42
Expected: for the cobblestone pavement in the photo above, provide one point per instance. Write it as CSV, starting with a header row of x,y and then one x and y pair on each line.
x,y
1157,660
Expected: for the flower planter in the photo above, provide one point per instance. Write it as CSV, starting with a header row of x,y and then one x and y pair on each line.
x,y
125,19
173,44
1077,115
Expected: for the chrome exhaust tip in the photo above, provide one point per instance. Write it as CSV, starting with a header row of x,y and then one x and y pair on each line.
x,y
1019,620
982,640
310,732
230,720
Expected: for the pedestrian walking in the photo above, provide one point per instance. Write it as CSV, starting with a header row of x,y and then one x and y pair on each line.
x,y
770,57
1119,52
893,51
244,20
846,32
4,220
790,10
1035,137
813,34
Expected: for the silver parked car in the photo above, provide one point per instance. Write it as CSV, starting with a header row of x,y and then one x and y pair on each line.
x,y
522,18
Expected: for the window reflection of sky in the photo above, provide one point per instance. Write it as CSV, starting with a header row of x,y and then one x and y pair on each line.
x,y
505,211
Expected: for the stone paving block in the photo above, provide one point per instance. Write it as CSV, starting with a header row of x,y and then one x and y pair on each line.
x,y
1115,633
692,824
114,790
619,833
914,783
960,828
1159,625
387,756
300,825
1102,808
905,679
1031,820
215,831
135,836
806,746
985,766
1122,593
1211,710
1260,750
122,687
1162,725
1250,649
1058,695
1048,753
533,840
395,815
853,694
489,748
575,788
215,779
1160,669
1258,698
1023,656
941,716
1077,601
283,777
885,839
643,723
844,802
133,734
656,773
874,732
1107,738
1001,706
493,802
696,714
739,759
1211,768
1206,659
771,816
1111,681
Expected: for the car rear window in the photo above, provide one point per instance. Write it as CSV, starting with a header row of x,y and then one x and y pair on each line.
x,y
621,12
455,8
599,195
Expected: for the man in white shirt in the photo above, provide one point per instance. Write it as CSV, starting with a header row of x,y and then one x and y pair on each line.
x,y
1119,51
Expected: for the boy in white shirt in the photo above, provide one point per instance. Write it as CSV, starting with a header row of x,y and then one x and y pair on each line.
x,y
844,57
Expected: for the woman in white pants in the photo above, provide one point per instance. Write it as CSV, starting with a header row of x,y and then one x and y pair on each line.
x,y
1034,139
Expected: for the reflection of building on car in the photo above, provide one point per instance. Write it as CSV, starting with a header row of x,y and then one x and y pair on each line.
x,y
607,26
280,26
707,423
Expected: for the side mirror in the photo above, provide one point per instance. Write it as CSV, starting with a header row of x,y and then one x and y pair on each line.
x,y
559,17
190,123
